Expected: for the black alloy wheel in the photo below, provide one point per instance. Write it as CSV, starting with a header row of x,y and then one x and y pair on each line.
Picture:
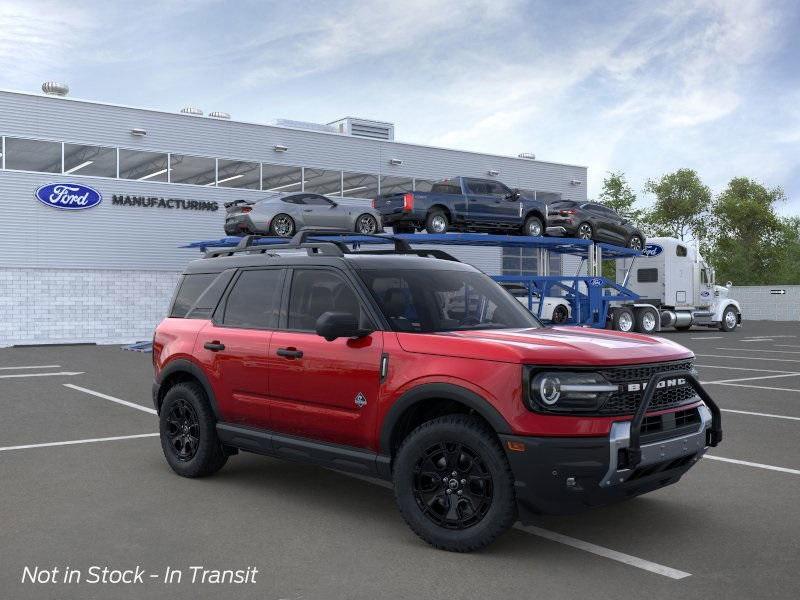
x,y
452,485
585,231
560,314
183,430
282,225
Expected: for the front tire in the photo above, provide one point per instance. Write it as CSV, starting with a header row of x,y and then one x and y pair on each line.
x,y
366,224
646,321
187,428
437,222
560,314
635,242
453,484
730,320
585,232
282,226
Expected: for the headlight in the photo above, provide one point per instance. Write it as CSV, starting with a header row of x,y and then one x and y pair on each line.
x,y
558,391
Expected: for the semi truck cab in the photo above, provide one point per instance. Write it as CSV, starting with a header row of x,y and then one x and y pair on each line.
x,y
672,277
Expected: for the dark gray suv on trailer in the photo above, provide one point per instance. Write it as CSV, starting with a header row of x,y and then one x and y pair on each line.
x,y
593,221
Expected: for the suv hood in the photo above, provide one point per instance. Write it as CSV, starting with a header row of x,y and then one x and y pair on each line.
x,y
561,346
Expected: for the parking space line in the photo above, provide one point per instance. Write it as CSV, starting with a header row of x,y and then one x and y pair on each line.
x,y
750,378
758,414
744,369
757,387
753,464
760,350
64,373
708,337
75,442
110,398
634,561
756,340
749,358
787,346
30,367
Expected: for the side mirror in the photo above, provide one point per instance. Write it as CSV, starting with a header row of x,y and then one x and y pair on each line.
x,y
513,196
334,204
729,284
332,325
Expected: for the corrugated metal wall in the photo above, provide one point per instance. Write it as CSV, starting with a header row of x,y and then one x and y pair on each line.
x,y
767,302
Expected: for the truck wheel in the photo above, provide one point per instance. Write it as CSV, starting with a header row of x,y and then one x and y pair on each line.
x,y
623,320
453,484
533,227
646,320
436,222
187,428
560,314
729,319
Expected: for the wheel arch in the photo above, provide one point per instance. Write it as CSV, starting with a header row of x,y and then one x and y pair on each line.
x,y
535,212
432,395
180,371
444,208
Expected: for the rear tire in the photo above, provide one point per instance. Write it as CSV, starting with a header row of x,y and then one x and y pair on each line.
x,y
635,242
623,320
584,232
366,224
560,314
282,225
437,222
533,227
187,428
646,321
427,492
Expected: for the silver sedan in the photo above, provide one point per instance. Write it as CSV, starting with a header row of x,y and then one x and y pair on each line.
x,y
282,215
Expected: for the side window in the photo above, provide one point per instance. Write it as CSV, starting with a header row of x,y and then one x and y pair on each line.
x,y
497,189
299,199
647,275
680,251
317,291
189,291
254,300
315,200
446,187
475,186
704,276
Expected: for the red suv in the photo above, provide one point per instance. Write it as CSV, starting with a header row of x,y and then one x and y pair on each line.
x,y
413,367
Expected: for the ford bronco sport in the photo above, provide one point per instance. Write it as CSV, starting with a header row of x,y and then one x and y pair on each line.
x,y
413,367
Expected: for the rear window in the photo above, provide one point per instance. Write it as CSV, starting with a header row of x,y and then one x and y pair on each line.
x,y
647,275
254,301
446,187
189,291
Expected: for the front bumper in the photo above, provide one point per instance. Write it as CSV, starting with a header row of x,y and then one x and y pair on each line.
x,y
568,475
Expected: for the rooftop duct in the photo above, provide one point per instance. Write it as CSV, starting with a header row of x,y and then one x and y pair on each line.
x,y
219,115
53,88
191,110
376,130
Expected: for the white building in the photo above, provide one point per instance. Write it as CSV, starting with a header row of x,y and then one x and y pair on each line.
x,y
106,273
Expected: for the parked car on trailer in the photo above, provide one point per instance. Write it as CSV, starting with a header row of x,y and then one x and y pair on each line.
x,y
283,214
554,309
464,204
593,221
677,289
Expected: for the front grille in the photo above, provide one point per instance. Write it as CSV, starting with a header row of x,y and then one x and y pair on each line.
x,y
625,402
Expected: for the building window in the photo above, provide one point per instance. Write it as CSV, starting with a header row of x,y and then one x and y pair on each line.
x,y
520,261
396,185
143,166
33,155
321,181
196,170
238,174
359,185
279,178
90,160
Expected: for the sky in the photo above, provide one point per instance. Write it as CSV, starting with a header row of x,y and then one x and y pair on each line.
x,y
639,87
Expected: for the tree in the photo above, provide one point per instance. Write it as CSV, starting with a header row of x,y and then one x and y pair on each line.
x,y
751,244
681,206
618,195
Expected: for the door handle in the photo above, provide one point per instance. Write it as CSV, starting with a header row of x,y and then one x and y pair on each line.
x,y
307,210
214,346
290,353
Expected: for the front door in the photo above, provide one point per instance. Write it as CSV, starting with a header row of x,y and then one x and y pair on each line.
x,y
318,389
233,347
320,211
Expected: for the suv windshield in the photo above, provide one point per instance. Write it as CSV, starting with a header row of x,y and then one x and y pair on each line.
x,y
426,301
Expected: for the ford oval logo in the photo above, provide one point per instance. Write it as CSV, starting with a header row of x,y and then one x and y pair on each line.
x,y
595,282
652,250
68,196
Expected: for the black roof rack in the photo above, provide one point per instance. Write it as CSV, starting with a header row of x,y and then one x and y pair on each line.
x,y
301,240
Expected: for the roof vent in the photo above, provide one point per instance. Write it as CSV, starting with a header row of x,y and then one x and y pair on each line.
x,y
376,130
219,115
192,110
53,88
303,125
527,155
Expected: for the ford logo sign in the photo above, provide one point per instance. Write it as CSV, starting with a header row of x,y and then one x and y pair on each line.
x,y
68,196
652,250
595,282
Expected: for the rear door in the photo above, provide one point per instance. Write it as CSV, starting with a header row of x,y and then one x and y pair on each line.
x,y
480,201
324,390
233,346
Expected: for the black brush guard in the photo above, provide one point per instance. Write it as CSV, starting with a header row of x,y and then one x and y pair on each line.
x,y
713,434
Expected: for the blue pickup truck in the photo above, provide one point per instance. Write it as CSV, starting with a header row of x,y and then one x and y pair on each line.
x,y
464,204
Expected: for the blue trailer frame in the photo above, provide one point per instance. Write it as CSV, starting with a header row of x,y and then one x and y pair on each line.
x,y
589,296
